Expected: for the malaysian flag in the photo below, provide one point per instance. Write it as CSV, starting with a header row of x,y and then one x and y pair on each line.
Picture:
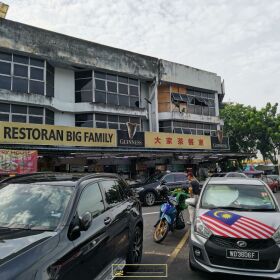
x,y
227,224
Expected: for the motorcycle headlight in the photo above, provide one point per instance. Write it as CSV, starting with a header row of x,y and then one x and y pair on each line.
x,y
276,236
201,229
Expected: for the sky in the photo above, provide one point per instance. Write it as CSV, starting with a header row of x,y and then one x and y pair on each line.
x,y
239,40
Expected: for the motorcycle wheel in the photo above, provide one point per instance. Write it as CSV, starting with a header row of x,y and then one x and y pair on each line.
x,y
161,231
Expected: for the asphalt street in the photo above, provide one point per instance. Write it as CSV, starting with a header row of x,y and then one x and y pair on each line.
x,y
173,251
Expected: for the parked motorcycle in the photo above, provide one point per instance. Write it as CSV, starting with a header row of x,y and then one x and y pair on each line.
x,y
170,217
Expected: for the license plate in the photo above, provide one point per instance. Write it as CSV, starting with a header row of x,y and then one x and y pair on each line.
x,y
243,255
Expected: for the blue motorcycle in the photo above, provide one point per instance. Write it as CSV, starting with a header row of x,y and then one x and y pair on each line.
x,y
170,218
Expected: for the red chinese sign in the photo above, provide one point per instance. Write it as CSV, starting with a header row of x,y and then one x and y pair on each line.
x,y
18,162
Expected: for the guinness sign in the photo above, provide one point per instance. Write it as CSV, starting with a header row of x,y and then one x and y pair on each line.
x,y
130,138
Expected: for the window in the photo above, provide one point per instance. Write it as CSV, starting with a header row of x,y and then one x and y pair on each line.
x,y
23,74
112,121
25,114
112,192
83,86
84,120
116,90
180,177
169,178
193,128
91,201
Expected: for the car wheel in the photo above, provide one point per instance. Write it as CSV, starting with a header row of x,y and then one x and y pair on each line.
x,y
149,198
135,248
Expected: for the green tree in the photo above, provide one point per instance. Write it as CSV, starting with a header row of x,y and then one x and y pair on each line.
x,y
250,129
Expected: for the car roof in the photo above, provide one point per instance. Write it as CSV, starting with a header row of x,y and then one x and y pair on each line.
x,y
56,178
234,181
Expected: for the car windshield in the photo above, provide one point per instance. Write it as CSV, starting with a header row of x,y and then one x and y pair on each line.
x,y
33,206
239,197
154,178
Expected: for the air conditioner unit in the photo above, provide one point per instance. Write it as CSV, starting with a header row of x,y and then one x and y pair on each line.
x,y
183,108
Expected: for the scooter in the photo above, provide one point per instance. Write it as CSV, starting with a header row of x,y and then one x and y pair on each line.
x,y
170,217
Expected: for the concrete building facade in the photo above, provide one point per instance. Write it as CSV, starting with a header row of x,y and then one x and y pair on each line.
x,y
52,79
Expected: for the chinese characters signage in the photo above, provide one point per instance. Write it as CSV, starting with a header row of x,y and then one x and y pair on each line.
x,y
32,134
176,141
18,162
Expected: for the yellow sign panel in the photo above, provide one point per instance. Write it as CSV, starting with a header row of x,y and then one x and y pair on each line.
x,y
34,134
176,141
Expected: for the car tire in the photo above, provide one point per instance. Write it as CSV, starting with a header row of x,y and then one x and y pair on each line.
x,y
149,198
135,248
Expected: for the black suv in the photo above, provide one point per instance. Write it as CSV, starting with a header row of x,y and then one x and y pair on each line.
x,y
67,226
147,190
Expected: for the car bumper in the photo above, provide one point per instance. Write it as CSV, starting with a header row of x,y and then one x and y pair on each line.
x,y
203,262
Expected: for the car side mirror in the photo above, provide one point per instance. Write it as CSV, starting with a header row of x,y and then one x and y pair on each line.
x,y
85,221
74,233
191,201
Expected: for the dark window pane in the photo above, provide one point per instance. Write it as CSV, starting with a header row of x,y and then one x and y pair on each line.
x,y
85,124
91,201
83,84
18,118
4,107
211,103
135,120
134,90
212,111
199,132
36,87
4,117
206,132
86,96
20,85
190,109
19,109
112,99
198,109
205,95
169,178
100,75
100,117
49,114
100,96
78,96
111,77
177,130
20,70
206,126
186,131
213,126
112,194
83,74
5,82
38,120
133,82
123,79
123,127
36,111
37,62
84,117
21,59
199,125
112,86
123,89
100,84
5,68
49,121
37,74
5,56
123,100
134,102
113,125
124,119
113,118
101,125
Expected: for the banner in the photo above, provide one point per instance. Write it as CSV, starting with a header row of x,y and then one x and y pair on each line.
x,y
18,162
176,141
34,134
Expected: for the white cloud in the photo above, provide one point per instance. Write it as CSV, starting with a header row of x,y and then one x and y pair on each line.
x,y
239,40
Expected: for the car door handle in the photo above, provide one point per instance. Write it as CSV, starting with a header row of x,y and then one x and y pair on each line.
x,y
107,221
